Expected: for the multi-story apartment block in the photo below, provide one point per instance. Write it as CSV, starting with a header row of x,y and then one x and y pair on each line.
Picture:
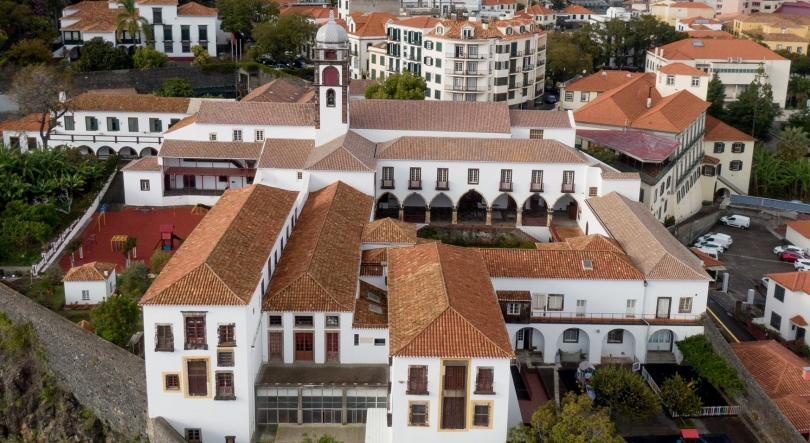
x,y
175,28
670,11
365,30
405,45
788,32
736,61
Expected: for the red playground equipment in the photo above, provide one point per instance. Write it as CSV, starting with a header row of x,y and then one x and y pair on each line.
x,y
167,238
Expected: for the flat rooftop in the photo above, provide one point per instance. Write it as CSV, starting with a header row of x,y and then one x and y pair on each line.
x,y
322,374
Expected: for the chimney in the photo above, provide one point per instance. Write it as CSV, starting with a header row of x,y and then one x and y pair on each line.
x,y
806,373
604,73
649,98
106,273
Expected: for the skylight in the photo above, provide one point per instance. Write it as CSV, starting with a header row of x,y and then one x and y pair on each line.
x,y
375,309
373,297
698,43
587,265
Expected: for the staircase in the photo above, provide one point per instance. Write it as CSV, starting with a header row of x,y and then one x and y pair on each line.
x,y
661,357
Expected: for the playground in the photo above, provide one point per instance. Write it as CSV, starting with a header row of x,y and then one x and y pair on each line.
x,y
154,228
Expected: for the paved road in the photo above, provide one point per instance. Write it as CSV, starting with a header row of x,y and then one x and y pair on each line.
x,y
723,315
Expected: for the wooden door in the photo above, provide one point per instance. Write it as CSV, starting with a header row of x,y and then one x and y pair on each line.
x,y
275,346
662,309
800,332
304,346
572,211
332,347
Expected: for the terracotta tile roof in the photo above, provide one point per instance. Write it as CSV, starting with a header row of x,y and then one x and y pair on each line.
x,y
441,304
256,113
709,34
286,153
718,49
130,103
190,120
708,159
192,9
421,22
479,150
621,176
498,2
797,411
775,369
388,230
317,13
708,260
28,123
798,7
156,2
113,91
699,20
319,269
679,68
364,317
358,87
206,149
559,264
602,81
538,10
730,16
93,271
452,30
92,16
777,37
554,246
577,9
719,131
514,295
282,90
370,24
349,152
539,119
626,106
429,115
376,255
802,227
640,145
220,262
792,281
655,252
594,242
771,18
687,5
143,164
798,320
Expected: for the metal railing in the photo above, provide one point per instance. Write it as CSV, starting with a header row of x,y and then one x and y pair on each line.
x,y
471,88
505,187
536,187
387,184
73,138
453,71
415,184
574,317
769,203
706,411
464,55
442,186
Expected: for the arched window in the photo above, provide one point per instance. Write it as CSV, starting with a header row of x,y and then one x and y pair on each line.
x,y
330,98
330,76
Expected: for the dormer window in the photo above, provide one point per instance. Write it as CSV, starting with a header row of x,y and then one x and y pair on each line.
x,y
522,29
440,30
509,31
352,27
531,27
467,32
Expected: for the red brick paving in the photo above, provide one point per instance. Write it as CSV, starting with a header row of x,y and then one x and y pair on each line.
x,y
527,407
141,223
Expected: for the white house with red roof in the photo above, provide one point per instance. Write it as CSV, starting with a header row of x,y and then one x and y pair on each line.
x,y
798,233
729,153
787,304
89,284
698,23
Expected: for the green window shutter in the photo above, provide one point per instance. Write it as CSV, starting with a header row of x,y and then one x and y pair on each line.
x,y
439,46
133,124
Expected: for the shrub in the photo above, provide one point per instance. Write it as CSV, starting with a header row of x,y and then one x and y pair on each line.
x,y
159,260
115,319
625,392
680,397
710,366
148,57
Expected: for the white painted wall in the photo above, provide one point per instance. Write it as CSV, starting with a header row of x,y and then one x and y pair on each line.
x,y
135,196
797,239
384,135
224,133
99,291
362,181
566,136
795,303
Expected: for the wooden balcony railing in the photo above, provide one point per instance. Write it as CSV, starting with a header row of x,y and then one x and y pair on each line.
x,y
387,184
567,187
505,187
536,187
415,184
442,186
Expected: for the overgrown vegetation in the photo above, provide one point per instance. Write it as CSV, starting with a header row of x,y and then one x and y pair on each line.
x,y
116,319
775,176
324,438
399,86
710,366
502,241
134,281
625,392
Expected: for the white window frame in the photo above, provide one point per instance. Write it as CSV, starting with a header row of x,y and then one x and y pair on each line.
x,y
556,302
237,135
670,80
568,333
685,305
513,308
472,176
259,135
145,185
85,294
212,136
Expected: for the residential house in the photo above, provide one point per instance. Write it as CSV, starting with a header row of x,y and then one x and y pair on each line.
x,y
576,14
542,16
670,11
729,154
798,233
377,65
365,30
786,304
576,93
776,30
23,134
698,23
736,61
89,284
501,9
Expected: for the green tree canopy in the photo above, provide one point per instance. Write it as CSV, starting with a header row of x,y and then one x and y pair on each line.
x,y
625,392
799,63
148,57
159,260
798,91
283,37
521,434
100,55
29,53
175,87
241,15
565,59
115,320
131,21
716,95
201,56
793,143
754,109
134,281
680,397
3,38
577,421
398,86
324,438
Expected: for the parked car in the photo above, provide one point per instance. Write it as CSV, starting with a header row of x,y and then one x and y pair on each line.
x,y
788,248
790,256
710,245
716,234
724,241
802,263
766,281
551,98
736,221
803,268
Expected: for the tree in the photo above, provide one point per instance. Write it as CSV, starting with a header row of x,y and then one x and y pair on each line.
x,y
159,260
73,246
625,392
324,438
116,319
577,421
129,20
754,111
100,55
799,63
558,5
28,53
679,397
282,37
239,16
521,434
148,57
134,281
40,28
36,91
564,59
398,86
798,91
799,119
792,144
175,87
201,56
716,95
3,38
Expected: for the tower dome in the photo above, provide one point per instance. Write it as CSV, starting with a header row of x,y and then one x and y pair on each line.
x,y
331,33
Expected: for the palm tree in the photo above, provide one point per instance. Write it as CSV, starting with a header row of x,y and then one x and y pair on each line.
x,y
792,144
799,90
129,20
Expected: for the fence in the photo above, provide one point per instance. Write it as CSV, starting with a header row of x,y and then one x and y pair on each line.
x,y
707,411
57,246
770,203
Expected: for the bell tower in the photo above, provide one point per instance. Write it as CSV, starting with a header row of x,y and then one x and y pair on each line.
x,y
331,81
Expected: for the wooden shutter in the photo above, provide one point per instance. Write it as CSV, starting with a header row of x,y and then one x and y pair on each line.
x,y
195,330
198,377
484,380
417,380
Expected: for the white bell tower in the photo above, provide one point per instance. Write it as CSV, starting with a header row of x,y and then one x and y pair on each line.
x,y
331,81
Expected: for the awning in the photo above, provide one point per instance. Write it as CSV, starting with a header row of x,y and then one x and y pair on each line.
x,y
798,321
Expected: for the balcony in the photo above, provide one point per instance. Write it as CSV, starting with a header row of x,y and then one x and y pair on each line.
x,y
505,187
463,55
516,54
640,319
411,57
567,187
414,184
528,68
453,71
73,42
353,52
541,48
536,187
540,63
516,85
442,186
137,139
469,88
387,184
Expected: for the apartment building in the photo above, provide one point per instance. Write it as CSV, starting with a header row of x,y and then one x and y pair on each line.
x,y
365,30
736,61
728,156
175,28
405,45
670,11
788,32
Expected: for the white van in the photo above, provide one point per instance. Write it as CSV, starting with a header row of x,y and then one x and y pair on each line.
x,y
725,242
736,221
711,252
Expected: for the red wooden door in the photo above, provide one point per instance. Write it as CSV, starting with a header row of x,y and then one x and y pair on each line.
x,y
275,346
332,347
304,346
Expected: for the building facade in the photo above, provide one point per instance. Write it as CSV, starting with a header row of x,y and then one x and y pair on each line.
x,y
89,284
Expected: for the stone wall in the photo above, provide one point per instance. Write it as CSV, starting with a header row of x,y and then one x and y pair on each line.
x,y
686,233
757,407
103,377
145,81
161,431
